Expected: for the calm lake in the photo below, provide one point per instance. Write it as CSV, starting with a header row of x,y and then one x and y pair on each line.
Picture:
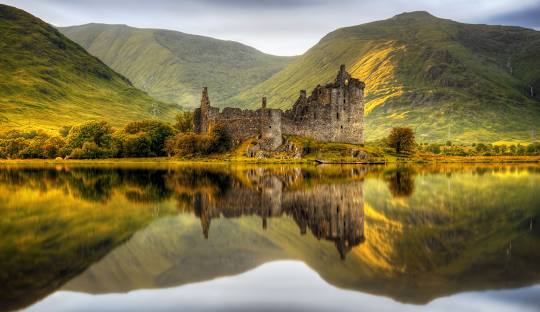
x,y
269,238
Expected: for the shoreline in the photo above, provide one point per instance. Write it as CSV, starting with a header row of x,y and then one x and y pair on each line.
x,y
301,161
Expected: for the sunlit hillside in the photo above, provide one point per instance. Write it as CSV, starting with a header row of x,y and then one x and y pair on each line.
x,y
447,80
47,81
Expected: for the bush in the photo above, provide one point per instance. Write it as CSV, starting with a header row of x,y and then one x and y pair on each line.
x,y
434,148
533,149
134,145
97,132
149,136
90,150
401,139
481,148
190,144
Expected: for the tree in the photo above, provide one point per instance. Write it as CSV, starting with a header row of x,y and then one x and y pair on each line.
x,y
156,132
401,139
434,148
185,144
98,135
184,122
481,147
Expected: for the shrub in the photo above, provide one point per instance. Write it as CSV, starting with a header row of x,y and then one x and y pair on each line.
x,y
150,135
401,139
220,140
189,144
434,148
97,132
135,145
93,135
481,148
90,150
53,146
533,149
14,147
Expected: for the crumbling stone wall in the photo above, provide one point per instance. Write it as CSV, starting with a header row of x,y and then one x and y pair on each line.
x,y
332,113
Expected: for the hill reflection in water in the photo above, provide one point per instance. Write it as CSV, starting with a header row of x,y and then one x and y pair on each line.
x,y
410,233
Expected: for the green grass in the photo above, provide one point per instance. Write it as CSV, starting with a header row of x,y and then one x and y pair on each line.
x,y
47,81
445,79
173,66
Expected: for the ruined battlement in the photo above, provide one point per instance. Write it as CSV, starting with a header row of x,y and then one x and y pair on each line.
x,y
334,112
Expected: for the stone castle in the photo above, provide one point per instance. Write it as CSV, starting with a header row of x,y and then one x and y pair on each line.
x,y
332,113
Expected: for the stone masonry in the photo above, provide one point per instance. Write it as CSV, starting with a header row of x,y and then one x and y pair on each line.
x,y
332,113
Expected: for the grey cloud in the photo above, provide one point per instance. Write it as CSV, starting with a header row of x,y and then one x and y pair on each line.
x,y
266,3
526,18
283,27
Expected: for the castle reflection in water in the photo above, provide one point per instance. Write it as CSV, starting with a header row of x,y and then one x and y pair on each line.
x,y
333,212
328,203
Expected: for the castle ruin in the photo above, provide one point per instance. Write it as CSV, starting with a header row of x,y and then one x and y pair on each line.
x,y
332,113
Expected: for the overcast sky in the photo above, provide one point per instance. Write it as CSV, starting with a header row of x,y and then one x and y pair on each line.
x,y
282,27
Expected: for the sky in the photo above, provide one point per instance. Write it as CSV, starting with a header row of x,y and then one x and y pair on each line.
x,y
280,286
280,27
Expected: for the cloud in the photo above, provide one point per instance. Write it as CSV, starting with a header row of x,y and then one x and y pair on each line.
x,y
283,27
527,18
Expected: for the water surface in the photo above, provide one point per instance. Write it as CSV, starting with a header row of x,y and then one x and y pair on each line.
x,y
243,238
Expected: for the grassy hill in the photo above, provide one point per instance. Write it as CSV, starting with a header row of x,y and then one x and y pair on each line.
x,y
48,81
173,66
448,80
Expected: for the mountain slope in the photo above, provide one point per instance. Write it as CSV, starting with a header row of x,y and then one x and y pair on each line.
x,y
173,66
447,80
48,81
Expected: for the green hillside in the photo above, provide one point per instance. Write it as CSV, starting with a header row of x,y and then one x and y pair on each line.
x,y
448,80
173,66
47,81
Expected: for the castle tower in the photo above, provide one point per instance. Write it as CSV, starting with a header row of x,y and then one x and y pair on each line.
x,y
205,101
343,77
270,127
201,120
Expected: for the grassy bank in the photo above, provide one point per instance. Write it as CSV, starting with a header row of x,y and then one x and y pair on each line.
x,y
233,159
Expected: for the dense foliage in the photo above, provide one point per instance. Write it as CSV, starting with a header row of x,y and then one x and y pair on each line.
x,y
97,139
482,149
191,144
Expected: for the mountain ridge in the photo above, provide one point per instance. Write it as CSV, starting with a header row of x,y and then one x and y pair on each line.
x,y
48,81
173,66
445,79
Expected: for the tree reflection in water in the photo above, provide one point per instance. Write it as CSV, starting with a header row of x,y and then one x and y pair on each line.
x,y
57,221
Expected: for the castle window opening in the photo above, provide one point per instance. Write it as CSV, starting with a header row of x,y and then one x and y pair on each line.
x,y
337,116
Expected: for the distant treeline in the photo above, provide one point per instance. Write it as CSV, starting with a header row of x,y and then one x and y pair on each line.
x,y
403,140
481,149
97,139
